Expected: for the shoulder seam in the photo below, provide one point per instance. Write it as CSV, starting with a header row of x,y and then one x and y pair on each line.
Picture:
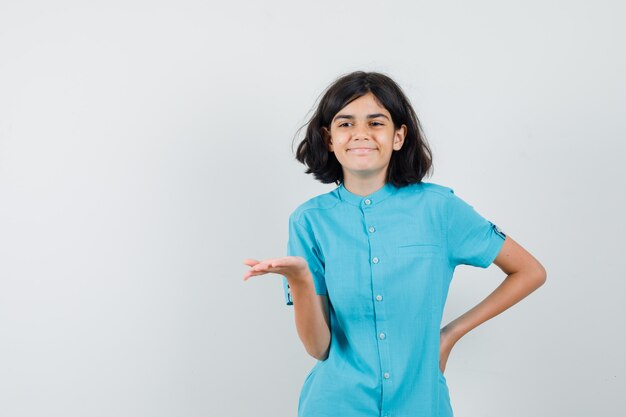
x,y
298,213
437,189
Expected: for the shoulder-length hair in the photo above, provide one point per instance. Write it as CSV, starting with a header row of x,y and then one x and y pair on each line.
x,y
408,165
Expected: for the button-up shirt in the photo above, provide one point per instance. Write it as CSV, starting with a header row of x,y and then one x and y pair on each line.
x,y
385,262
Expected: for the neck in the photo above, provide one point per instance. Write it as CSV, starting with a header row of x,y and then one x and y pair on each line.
x,y
364,185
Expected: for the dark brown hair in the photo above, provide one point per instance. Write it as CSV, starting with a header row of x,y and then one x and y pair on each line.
x,y
408,165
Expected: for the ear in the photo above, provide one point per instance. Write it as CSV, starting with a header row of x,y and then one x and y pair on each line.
x,y
398,137
327,139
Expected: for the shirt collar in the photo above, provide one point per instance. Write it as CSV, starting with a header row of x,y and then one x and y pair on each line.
x,y
368,200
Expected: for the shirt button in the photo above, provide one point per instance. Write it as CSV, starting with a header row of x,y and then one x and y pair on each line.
x,y
379,297
368,201
382,335
371,229
375,260
386,375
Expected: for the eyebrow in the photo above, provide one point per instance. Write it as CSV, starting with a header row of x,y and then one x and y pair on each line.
x,y
351,117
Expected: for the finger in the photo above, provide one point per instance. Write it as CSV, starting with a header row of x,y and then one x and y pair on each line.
x,y
273,263
250,262
263,266
251,273
278,262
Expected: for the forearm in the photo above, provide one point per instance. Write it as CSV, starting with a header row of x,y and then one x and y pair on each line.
x,y
514,288
311,317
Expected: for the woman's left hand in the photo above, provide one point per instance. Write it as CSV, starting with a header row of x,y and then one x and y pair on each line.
x,y
447,341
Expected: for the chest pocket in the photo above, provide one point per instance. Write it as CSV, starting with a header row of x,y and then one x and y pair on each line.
x,y
418,249
413,276
417,240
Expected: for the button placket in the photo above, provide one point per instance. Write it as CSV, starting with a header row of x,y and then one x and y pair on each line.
x,y
378,271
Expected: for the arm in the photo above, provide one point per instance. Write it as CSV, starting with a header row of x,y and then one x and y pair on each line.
x,y
311,316
311,309
524,275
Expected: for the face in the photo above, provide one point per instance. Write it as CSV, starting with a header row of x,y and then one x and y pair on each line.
x,y
363,137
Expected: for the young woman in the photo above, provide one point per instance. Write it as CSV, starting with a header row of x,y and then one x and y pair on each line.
x,y
369,263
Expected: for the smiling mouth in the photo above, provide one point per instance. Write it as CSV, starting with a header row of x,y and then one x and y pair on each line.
x,y
361,150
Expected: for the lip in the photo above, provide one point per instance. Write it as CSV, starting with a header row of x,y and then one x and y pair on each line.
x,y
361,150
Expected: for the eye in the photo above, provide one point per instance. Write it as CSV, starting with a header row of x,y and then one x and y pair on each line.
x,y
344,124
375,123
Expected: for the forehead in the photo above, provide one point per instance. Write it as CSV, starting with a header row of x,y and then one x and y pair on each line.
x,y
367,103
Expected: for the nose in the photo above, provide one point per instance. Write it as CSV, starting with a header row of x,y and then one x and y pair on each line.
x,y
361,132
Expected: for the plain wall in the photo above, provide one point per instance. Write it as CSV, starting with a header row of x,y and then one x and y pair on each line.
x,y
146,150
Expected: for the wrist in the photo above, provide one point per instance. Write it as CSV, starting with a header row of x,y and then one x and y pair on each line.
x,y
302,279
454,331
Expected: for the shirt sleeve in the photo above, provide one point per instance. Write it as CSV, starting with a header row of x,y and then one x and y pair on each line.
x,y
302,243
472,239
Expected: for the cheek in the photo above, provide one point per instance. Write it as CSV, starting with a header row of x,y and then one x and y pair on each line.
x,y
339,143
339,137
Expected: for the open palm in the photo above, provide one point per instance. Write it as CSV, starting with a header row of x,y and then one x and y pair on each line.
x,y
289,266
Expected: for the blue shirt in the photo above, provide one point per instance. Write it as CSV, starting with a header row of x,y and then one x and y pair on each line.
x,y
385,261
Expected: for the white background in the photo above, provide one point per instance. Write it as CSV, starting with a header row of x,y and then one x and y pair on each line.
x,y
146,150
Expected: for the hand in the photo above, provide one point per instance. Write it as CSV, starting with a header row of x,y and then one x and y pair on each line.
x,y
292,267
447,340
